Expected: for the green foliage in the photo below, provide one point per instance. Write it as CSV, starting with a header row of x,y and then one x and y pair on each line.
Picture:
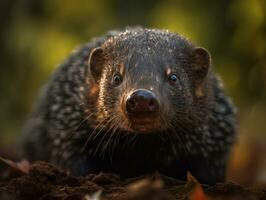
x,y
37,35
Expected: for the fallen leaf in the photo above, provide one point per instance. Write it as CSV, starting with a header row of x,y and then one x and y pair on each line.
x,y
198,194
22,166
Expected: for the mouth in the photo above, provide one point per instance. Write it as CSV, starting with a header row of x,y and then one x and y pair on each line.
x,y
144,124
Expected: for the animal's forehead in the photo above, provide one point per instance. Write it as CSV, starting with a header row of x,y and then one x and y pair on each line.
x,y
147,39
146,60
147,50
149,64
144,57
144,44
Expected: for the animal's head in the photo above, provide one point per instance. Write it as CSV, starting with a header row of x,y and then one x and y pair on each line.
x,y
148,81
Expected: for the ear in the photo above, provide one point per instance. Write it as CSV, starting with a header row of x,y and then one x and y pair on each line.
x,y
201,63
96,62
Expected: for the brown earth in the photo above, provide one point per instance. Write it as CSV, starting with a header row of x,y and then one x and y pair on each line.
x,y
44,181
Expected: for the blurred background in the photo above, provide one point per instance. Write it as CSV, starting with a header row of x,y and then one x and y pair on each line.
x,y
35,36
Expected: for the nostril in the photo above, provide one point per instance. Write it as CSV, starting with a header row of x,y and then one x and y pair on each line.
x,y
153,104
131,105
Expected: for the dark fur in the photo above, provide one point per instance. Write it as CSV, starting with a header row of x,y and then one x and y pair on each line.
x,y
79,122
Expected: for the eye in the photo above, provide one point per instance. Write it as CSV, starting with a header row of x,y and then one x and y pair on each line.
x,y
172,78
117,79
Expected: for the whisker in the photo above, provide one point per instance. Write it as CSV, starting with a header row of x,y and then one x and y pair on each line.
x,y
75,129
110,137
107,122
91,134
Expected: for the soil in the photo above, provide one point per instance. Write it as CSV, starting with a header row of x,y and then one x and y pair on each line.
x,y
42,180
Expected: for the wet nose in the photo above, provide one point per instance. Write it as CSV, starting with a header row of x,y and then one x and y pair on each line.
x,y
142,101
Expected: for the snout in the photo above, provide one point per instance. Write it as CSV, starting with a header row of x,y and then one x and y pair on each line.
x,y
142,103
142,108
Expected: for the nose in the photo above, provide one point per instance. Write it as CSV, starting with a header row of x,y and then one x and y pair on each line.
x,y
142,101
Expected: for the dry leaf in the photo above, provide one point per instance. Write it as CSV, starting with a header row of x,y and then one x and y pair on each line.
x,y
22,166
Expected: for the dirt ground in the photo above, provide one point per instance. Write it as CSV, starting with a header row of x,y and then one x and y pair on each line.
x,y
44,181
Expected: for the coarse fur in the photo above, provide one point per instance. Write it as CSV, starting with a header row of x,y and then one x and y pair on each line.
x,y
80,122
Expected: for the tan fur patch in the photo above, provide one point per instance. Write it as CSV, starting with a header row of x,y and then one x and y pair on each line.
x,y
199,92
94,90
122,68
168,70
